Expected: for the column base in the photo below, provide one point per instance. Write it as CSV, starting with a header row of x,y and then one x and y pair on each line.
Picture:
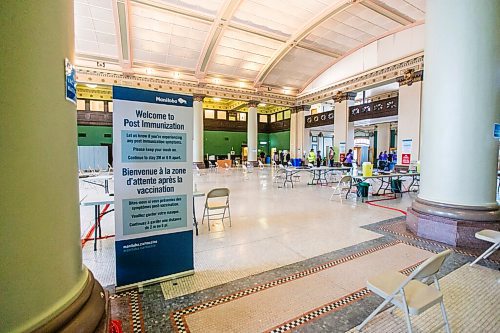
x,y
90,312
200,165
452,224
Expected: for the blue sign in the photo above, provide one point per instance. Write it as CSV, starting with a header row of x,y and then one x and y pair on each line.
x,y
153,180
70,81
496,131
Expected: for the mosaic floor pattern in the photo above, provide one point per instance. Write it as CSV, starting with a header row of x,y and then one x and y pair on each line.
x,y
322,294
296,296
471,297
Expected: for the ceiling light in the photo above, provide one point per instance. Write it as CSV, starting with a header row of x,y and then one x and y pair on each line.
x,y
149,71
286,91
177,75
216,99
92,86
216,80
242,84
262,104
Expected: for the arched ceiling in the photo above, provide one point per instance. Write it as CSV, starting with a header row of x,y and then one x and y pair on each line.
x,y
243,43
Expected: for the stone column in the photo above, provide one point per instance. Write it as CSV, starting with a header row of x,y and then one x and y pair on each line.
x,y
44,285
293,133
301,133
458,153
383,137
409,109
343,130
252,131
198,130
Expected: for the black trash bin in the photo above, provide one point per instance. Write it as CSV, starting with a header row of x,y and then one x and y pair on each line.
x,y
363,189
396,185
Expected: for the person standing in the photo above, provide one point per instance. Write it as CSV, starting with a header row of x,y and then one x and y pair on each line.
x,y
331,156
348,158
311,158
318,159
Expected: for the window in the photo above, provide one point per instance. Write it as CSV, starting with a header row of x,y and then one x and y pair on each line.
x,y
110,106
279,116
80,104
209,114
288,114
273,118
97,106
262,118
242,116
221,115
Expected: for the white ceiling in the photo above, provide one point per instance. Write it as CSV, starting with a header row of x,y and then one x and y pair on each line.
x,y
264,42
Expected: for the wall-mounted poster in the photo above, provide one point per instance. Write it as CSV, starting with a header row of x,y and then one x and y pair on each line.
x,y
406,151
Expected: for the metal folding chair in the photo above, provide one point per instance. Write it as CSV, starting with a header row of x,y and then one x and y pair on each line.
x,y
217,200
408,293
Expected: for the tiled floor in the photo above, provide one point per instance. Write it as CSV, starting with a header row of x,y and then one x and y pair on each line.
x,y
277,233
271,227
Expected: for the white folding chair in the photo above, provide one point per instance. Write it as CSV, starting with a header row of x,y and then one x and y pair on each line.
x,y
261,165
491,236
217,200
344,184
408,293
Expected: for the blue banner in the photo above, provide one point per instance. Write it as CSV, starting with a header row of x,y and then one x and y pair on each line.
x,y
148,258
151,96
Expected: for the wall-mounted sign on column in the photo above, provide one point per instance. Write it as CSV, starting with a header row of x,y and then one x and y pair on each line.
x,y
70,74
153,185
341,152
406,151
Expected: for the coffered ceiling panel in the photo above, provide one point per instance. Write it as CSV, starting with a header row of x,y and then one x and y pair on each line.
x,y
207,7
411,8
95,29
296,68
280,17
164,38
244,43
242,54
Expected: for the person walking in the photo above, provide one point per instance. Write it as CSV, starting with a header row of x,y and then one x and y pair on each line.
x,y
318,159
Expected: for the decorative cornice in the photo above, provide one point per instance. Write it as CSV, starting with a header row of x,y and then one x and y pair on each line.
x,y
299,108
386,73
97,76
253,104
366,80
339,97
198,97
410,76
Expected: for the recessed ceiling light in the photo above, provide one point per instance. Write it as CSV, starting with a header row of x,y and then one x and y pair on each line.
x,y
149,71
217,99
286,91
262,104
216,80
177,75
92,86
242,84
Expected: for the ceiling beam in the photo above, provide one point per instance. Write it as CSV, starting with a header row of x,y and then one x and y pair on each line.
x,y
214,36
313,48
296,38
388,12
174,9
121,11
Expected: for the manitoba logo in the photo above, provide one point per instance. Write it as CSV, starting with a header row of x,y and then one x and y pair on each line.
x,y
182,100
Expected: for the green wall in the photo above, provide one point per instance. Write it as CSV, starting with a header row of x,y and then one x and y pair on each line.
x,y
215,142
280,140
94,135
221,142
